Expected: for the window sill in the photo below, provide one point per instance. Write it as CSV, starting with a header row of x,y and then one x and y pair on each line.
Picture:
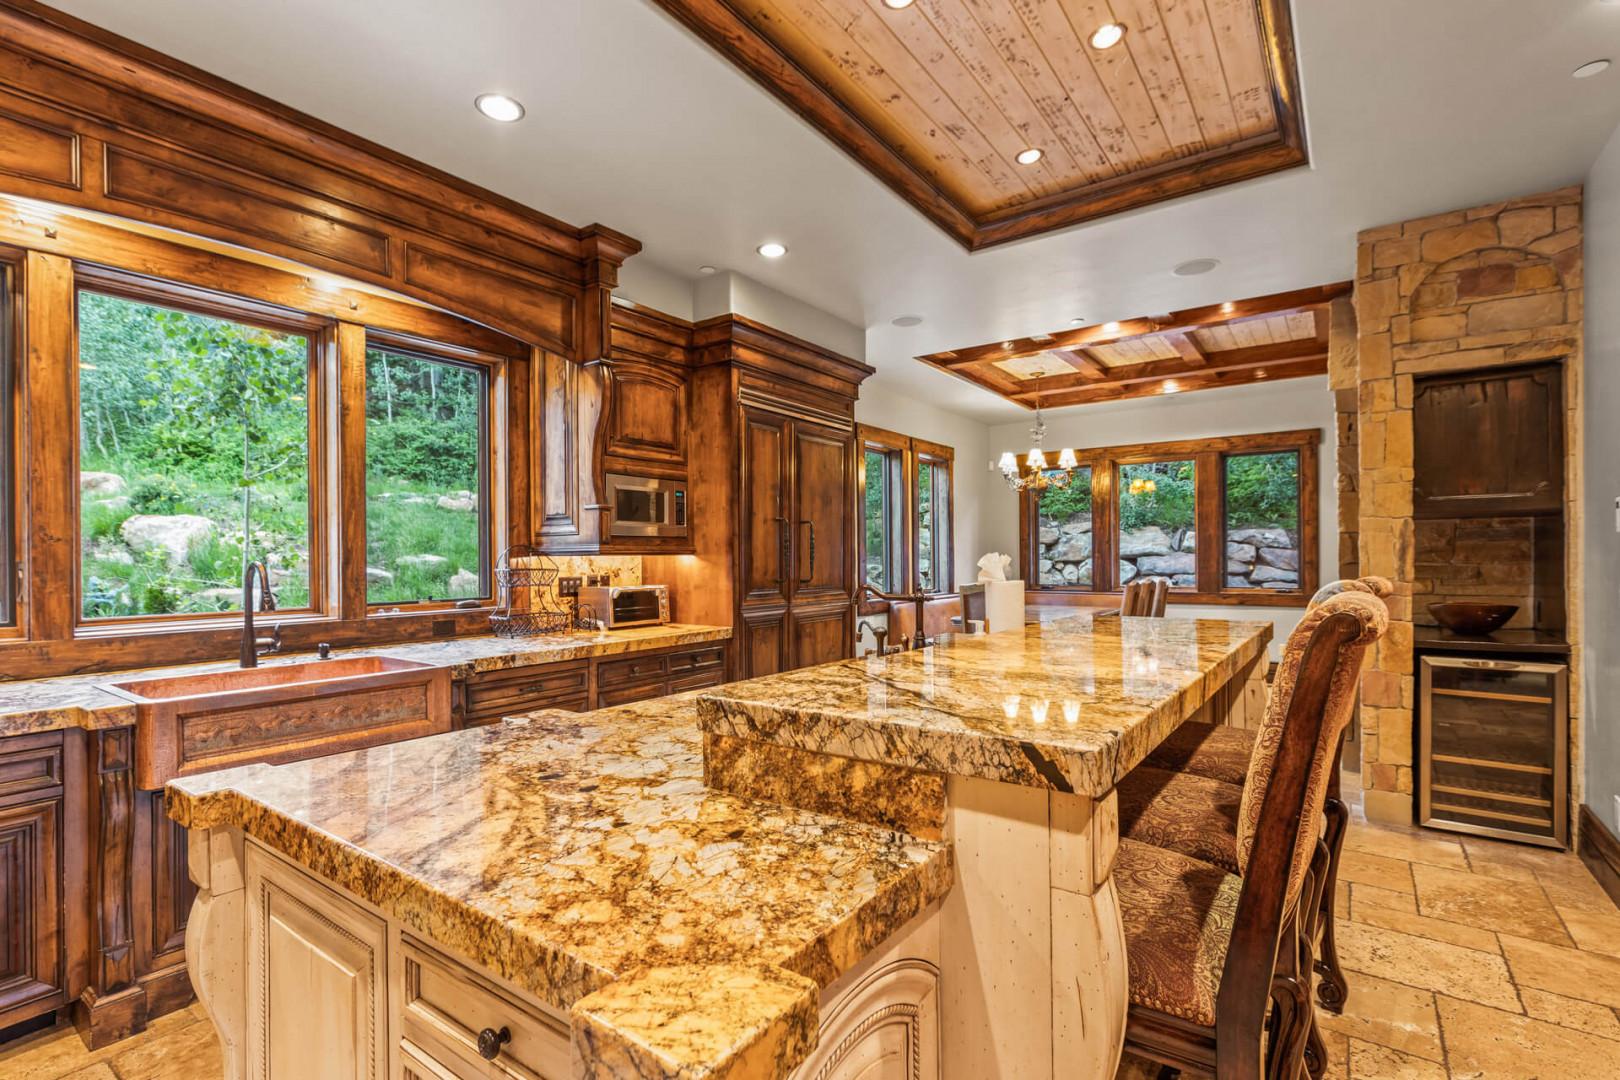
x,y
1087,598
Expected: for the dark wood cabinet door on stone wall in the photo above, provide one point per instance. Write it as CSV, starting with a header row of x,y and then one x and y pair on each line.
x,y
823,505
765,526
1489,443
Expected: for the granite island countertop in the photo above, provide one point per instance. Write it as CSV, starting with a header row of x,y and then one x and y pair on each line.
x,y
581,857
33,705
1072,704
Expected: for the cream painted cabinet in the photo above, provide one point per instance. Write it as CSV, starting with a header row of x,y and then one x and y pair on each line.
x,y
316,979
885,1027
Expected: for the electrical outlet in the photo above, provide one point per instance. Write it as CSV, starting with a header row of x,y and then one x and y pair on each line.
x,y
568,586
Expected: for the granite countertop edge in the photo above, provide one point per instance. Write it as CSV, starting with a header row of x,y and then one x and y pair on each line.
x,y
33,706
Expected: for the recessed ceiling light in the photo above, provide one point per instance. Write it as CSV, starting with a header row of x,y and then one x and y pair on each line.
x,y
1107,35
772,250
1586,71
499,107
897,4
906,320
1077,322
1171,387
1029,156
1194,267
1110,327
706,270
1227,308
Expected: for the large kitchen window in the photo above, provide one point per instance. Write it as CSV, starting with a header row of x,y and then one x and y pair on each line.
x,y
427,457
194,451
1225,520
216,431
905,500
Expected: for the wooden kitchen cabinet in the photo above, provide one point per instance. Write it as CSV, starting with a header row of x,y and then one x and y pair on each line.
x,y
1489,443
581,685
796,543
317,978
35,878
490,695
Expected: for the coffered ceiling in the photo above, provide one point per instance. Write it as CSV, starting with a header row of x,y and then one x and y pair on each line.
x,y
1003,120
1282,336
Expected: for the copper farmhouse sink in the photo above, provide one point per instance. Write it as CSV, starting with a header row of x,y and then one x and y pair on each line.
x,y
187,724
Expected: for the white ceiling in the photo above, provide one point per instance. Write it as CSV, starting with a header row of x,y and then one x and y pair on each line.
x,y
1411,108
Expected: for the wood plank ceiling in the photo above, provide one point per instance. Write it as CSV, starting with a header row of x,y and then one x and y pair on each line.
x,y
939,98
1282,336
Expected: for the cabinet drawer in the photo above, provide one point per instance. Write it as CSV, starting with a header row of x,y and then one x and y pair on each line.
x,y
637,669
624,695
697,680
443,1008
697,660
507,692
30,763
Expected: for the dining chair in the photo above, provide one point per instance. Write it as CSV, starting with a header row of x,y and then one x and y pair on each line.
x,y
1219,958
1145,597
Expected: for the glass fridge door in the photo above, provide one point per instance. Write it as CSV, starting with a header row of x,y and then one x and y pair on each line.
x,y
1493,747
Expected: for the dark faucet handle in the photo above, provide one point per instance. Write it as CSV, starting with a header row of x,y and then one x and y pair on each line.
x,y
323,651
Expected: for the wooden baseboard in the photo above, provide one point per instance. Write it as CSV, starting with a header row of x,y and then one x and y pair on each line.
x,y
1600,851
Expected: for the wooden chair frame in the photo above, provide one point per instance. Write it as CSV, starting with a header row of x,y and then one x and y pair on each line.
x,y
1263,1016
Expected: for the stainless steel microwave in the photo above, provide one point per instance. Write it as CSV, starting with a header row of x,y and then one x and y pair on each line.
x,y
645,505
618,606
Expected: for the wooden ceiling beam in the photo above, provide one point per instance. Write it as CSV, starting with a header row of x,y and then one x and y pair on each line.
x,y
1090,368
1207,380
1184,344
1158,370
1174,322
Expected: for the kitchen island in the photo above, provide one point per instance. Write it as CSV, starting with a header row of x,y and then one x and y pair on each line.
x,y
897,865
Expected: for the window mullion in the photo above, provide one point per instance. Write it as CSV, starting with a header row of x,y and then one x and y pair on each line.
x,y
1209,502
348,511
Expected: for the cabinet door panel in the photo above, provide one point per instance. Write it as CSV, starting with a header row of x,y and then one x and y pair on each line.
x,y
823,507
648,414
822,635
886,1028
316,979
762,644
1489,443
30,908
765,526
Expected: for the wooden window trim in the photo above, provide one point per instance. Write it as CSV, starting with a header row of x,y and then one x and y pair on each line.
x,y
11,452
48,638
494,498
896,449
317,331
942,457
1208,456
909,451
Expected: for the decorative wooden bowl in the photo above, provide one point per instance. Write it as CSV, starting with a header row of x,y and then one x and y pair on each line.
x,y
1473,620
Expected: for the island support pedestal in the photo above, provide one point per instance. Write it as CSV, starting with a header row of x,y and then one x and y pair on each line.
x,y
1033,976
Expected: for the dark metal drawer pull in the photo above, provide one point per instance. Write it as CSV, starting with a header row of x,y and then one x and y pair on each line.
x,y
490,1042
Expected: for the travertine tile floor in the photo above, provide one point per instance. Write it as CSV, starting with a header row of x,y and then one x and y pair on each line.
x,y
1468,960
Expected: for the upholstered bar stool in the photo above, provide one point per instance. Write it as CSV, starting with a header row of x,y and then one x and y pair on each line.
x,y
1185,797
1219,960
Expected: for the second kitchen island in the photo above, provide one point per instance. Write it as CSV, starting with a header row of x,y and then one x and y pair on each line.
x,y
887,867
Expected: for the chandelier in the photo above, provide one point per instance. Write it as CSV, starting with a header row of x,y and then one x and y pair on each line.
x,y
1035,474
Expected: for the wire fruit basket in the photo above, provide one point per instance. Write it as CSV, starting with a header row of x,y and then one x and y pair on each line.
x,y
528,607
